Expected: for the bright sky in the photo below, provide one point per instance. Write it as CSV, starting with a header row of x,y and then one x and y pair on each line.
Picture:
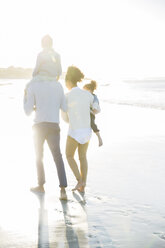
x,y
105,38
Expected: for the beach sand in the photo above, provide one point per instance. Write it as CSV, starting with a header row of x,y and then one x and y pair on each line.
x,y
124,201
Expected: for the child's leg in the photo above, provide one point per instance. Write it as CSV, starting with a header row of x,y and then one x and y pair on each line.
x,y
99,138
95,129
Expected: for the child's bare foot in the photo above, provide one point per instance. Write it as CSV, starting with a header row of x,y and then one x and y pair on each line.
x,y
100,142
99,138
38,189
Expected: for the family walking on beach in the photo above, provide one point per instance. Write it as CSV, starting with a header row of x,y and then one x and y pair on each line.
x,y
45,96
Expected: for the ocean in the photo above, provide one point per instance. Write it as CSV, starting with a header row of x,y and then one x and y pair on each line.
x,y
148,94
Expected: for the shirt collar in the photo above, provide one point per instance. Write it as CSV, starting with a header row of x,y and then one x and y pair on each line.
x,y
74,88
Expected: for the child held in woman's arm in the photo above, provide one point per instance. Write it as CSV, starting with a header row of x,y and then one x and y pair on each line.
x,y
91,87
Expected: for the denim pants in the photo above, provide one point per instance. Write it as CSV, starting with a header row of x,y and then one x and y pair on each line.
x,y
50,132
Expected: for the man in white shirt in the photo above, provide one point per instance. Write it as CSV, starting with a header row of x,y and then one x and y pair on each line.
x,y
46,98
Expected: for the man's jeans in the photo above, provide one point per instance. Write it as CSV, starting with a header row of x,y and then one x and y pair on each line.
x,y
51,133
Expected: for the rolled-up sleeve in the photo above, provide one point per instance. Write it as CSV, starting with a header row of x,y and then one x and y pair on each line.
x,y
28,101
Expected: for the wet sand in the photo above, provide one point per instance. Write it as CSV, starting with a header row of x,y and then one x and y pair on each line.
x,y
124,201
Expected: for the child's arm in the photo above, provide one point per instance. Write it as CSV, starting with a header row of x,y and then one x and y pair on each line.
x,y
96,111
92,111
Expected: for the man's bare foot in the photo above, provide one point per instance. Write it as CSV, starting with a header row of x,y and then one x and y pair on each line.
x,y
63,195
38,189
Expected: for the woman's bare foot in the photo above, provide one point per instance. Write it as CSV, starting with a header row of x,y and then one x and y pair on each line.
x,y
63,195
81,189
78,185
38,189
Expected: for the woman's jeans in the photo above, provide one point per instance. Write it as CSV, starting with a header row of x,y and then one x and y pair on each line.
x,y
71,146
50,132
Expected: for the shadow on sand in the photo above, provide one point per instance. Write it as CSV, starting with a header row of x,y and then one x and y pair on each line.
x,y
73,233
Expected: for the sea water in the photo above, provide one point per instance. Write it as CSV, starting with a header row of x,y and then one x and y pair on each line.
x,y
150,94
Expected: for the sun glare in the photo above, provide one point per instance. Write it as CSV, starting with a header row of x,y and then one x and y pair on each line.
x,y
114,38
109,40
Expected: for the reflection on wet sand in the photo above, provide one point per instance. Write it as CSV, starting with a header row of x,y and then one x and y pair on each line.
x,y
70,231
43,232
76,225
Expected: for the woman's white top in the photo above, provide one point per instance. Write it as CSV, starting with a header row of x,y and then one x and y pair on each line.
x,y
79,103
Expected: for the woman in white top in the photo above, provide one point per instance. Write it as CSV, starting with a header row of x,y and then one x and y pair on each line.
x,y
79,103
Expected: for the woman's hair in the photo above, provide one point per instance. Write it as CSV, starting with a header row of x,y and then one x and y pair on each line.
x,y
47,42
74,75
92,86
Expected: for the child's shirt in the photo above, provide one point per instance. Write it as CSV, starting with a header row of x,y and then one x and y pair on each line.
x,y
95,104
95,99
48,64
